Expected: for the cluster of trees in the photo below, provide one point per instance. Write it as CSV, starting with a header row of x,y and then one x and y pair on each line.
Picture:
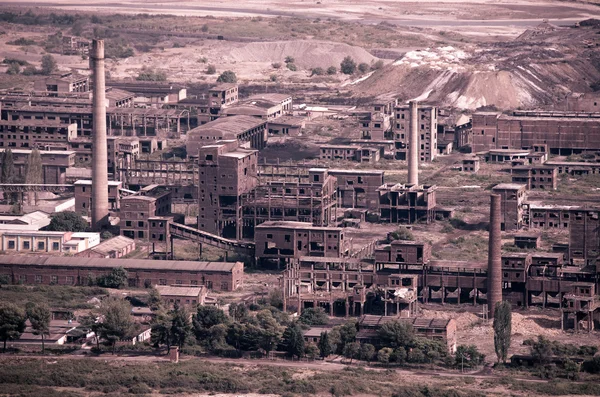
x,y
67,221
111,322
13,319
147,74
349,66
48,66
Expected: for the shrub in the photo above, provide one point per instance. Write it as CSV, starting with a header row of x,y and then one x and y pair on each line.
x,y
377,65
273,77
363,67
291,66
13,69
211,69
289,59
227,76
147,74
402,233
276,65
348,66
21,41
317,72
331,70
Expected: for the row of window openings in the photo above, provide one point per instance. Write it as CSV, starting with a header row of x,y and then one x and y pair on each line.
x,y
27,245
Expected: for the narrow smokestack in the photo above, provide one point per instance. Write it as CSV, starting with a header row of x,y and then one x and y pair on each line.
x,y
413,145
99,149
494,276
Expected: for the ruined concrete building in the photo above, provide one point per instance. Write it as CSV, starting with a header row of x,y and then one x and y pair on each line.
x,y
540,177
359,154
226,172
565,133
513,197
401,203
137,209
54,164
427,126
250,132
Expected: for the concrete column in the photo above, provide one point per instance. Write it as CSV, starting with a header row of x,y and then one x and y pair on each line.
x,y
494,276
413,145
99,149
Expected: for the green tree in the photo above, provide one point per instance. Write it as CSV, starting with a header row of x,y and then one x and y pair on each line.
x,y
399,355
211,69
115,320
39,316
314,316
276,299
154,300
293,340
271,330
396,334
291,66
8,173
348,66
468,356
227,76
331,70
325,349
311,350
205,318
542,351
237,311
345,334
161,329
384,355
351,350
117,278
67,221
363,67
48,64
367,351
35,172
502,329
180,325
12,322
402,233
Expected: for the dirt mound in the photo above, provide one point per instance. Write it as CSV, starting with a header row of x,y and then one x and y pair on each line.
x,y
307,54
508,75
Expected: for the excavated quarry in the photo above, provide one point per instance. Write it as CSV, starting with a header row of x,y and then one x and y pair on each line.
x,y
538,67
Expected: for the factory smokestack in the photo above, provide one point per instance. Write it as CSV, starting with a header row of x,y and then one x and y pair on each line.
x,y
413,145
494,274
99,149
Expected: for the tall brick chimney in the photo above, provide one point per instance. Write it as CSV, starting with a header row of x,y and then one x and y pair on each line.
x,y
413,145
494,276
99,149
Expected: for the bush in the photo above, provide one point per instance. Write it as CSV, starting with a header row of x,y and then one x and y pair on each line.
x,y
276,65
291,66
348,66
331,70
317,72
363,67
273,77
21,41
211,69
13,69
377,65
402,233
147,74
227,76
289,59
30,71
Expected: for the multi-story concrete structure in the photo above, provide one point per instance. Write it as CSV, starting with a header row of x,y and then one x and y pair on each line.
x,y
63,83
283,241
40,134
262,106
427,132
565,133
249,131
30,269
536,176
406,203
137,209
83,196
375,126
358,188
54,164
404,252
226,172
471,165
584,237
513,197
542,216
360,154
313,201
